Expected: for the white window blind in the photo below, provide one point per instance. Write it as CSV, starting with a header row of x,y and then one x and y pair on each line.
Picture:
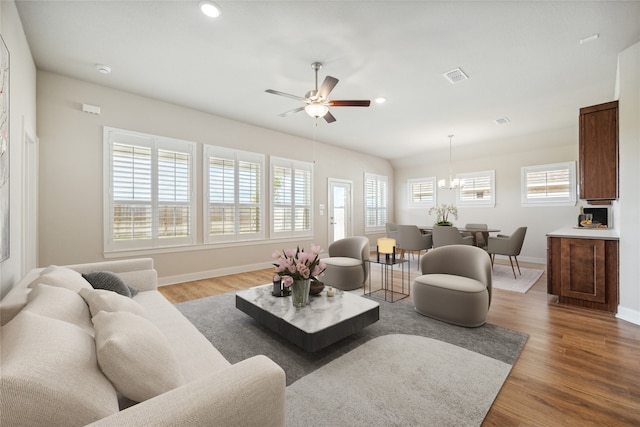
x,y
476,189
553,184
291,190
233,183
148,193
421,192
376,202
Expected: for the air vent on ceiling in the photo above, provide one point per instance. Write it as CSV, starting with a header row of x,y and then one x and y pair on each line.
x,y
455,76
502,121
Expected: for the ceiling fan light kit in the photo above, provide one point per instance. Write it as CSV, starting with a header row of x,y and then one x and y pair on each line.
x,y
317,100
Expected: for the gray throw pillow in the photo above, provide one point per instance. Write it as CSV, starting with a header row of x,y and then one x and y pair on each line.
x,y
110,282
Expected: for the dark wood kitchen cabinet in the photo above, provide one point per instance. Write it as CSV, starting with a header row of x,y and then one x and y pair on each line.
x,y
583,272
598,153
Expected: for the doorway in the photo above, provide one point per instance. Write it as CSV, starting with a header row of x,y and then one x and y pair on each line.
x,y
340,207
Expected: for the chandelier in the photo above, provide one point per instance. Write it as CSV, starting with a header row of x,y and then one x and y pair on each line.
x,y
453,183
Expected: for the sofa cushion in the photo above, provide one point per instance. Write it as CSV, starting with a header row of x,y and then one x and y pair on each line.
x,y
102,300
110,282
135,355
59,303
341,261
62,277
49,374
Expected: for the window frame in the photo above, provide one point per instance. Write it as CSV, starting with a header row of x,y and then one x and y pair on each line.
x,y
480,202
378,208
237,157
570,200
293,204
113,136
430,180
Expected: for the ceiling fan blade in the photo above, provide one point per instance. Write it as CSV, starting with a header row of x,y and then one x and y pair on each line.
x,y
327,86
290,112
329,117
288,95
349,103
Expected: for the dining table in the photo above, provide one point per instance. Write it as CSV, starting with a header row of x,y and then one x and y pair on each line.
x,y
474,232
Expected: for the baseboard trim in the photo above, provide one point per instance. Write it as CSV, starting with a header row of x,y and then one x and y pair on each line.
x,y
628,315
208,274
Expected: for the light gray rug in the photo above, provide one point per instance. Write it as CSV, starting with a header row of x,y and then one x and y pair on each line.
x,y
238,336
398,380
503,278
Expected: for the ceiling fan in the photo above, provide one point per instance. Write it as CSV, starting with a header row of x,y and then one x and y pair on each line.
x,y
317,102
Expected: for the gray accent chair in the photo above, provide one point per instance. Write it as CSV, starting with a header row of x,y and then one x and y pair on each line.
x,y
455,285
507,245
347,268
411,239
444,235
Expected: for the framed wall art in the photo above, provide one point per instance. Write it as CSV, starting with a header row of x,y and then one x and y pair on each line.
x,y
4,151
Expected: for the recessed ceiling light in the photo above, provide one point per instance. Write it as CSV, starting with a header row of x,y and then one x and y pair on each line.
x,y
103,69
210,9
381,100
589,39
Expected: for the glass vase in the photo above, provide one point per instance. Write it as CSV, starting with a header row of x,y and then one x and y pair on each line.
x,y
300,292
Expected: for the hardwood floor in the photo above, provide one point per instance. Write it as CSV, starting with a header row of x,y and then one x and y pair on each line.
x,y
579,367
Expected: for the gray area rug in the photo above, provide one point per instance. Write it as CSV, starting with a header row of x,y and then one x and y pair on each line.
x,y
238,336
397,380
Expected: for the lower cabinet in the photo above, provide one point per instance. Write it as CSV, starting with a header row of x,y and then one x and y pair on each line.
x,y
583,272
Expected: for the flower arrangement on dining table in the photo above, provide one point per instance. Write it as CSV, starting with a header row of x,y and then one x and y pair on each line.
x,y
443,212
296,264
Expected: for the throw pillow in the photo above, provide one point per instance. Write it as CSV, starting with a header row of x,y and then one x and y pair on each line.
x,y
135,355
59,303
101,300
49,375
62,277
110,282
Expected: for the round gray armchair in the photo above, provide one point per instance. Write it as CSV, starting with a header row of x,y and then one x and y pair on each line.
x,y
346,265
455,285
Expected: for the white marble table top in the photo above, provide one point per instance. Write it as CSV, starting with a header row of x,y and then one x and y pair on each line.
x,y
321,313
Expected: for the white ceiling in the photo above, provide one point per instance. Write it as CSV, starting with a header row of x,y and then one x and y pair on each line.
x,y
523,58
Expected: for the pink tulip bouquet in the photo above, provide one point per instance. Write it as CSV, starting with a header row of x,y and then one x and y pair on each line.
x,y
298,265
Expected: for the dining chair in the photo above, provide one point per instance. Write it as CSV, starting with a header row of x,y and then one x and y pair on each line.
x,y
411,239
478,235
392,230
507,245
444,235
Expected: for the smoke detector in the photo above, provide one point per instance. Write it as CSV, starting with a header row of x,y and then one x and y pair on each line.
x,y
455,76
103,69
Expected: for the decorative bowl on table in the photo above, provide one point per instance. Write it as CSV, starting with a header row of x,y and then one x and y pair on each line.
x,y
315,287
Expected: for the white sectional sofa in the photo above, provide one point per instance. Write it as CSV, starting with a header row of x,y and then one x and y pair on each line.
x,y
72,355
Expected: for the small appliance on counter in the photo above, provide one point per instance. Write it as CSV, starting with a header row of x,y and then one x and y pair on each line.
x,y
596,217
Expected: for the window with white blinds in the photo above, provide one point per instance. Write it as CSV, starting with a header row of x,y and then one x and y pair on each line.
x,y
553,184
421,192
149,199
376,194
476,189
292,198
234,193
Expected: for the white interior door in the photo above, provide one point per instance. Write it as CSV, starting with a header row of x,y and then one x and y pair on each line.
x,y
30,203
340,207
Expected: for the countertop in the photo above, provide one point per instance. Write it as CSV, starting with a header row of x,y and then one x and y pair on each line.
x,y
585,233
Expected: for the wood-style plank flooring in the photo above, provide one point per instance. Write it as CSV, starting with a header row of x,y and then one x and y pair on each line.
x,y
580,367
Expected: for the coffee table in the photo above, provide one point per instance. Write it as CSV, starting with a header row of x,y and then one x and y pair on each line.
x,y
323,322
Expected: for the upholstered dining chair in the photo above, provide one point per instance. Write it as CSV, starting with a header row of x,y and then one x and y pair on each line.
x,y
411,239
392,230
347,268
455,285
507,245
475,230
444,235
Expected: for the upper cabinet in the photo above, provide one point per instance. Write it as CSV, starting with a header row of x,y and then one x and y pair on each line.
x,y
599,153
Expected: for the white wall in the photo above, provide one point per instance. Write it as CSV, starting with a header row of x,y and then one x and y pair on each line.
x,y
629,203
71,173
22,112
506,157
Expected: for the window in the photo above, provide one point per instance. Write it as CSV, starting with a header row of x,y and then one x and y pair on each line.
x,y
553,184
375,196
422,192
476,189
233,183
291,184
149,200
